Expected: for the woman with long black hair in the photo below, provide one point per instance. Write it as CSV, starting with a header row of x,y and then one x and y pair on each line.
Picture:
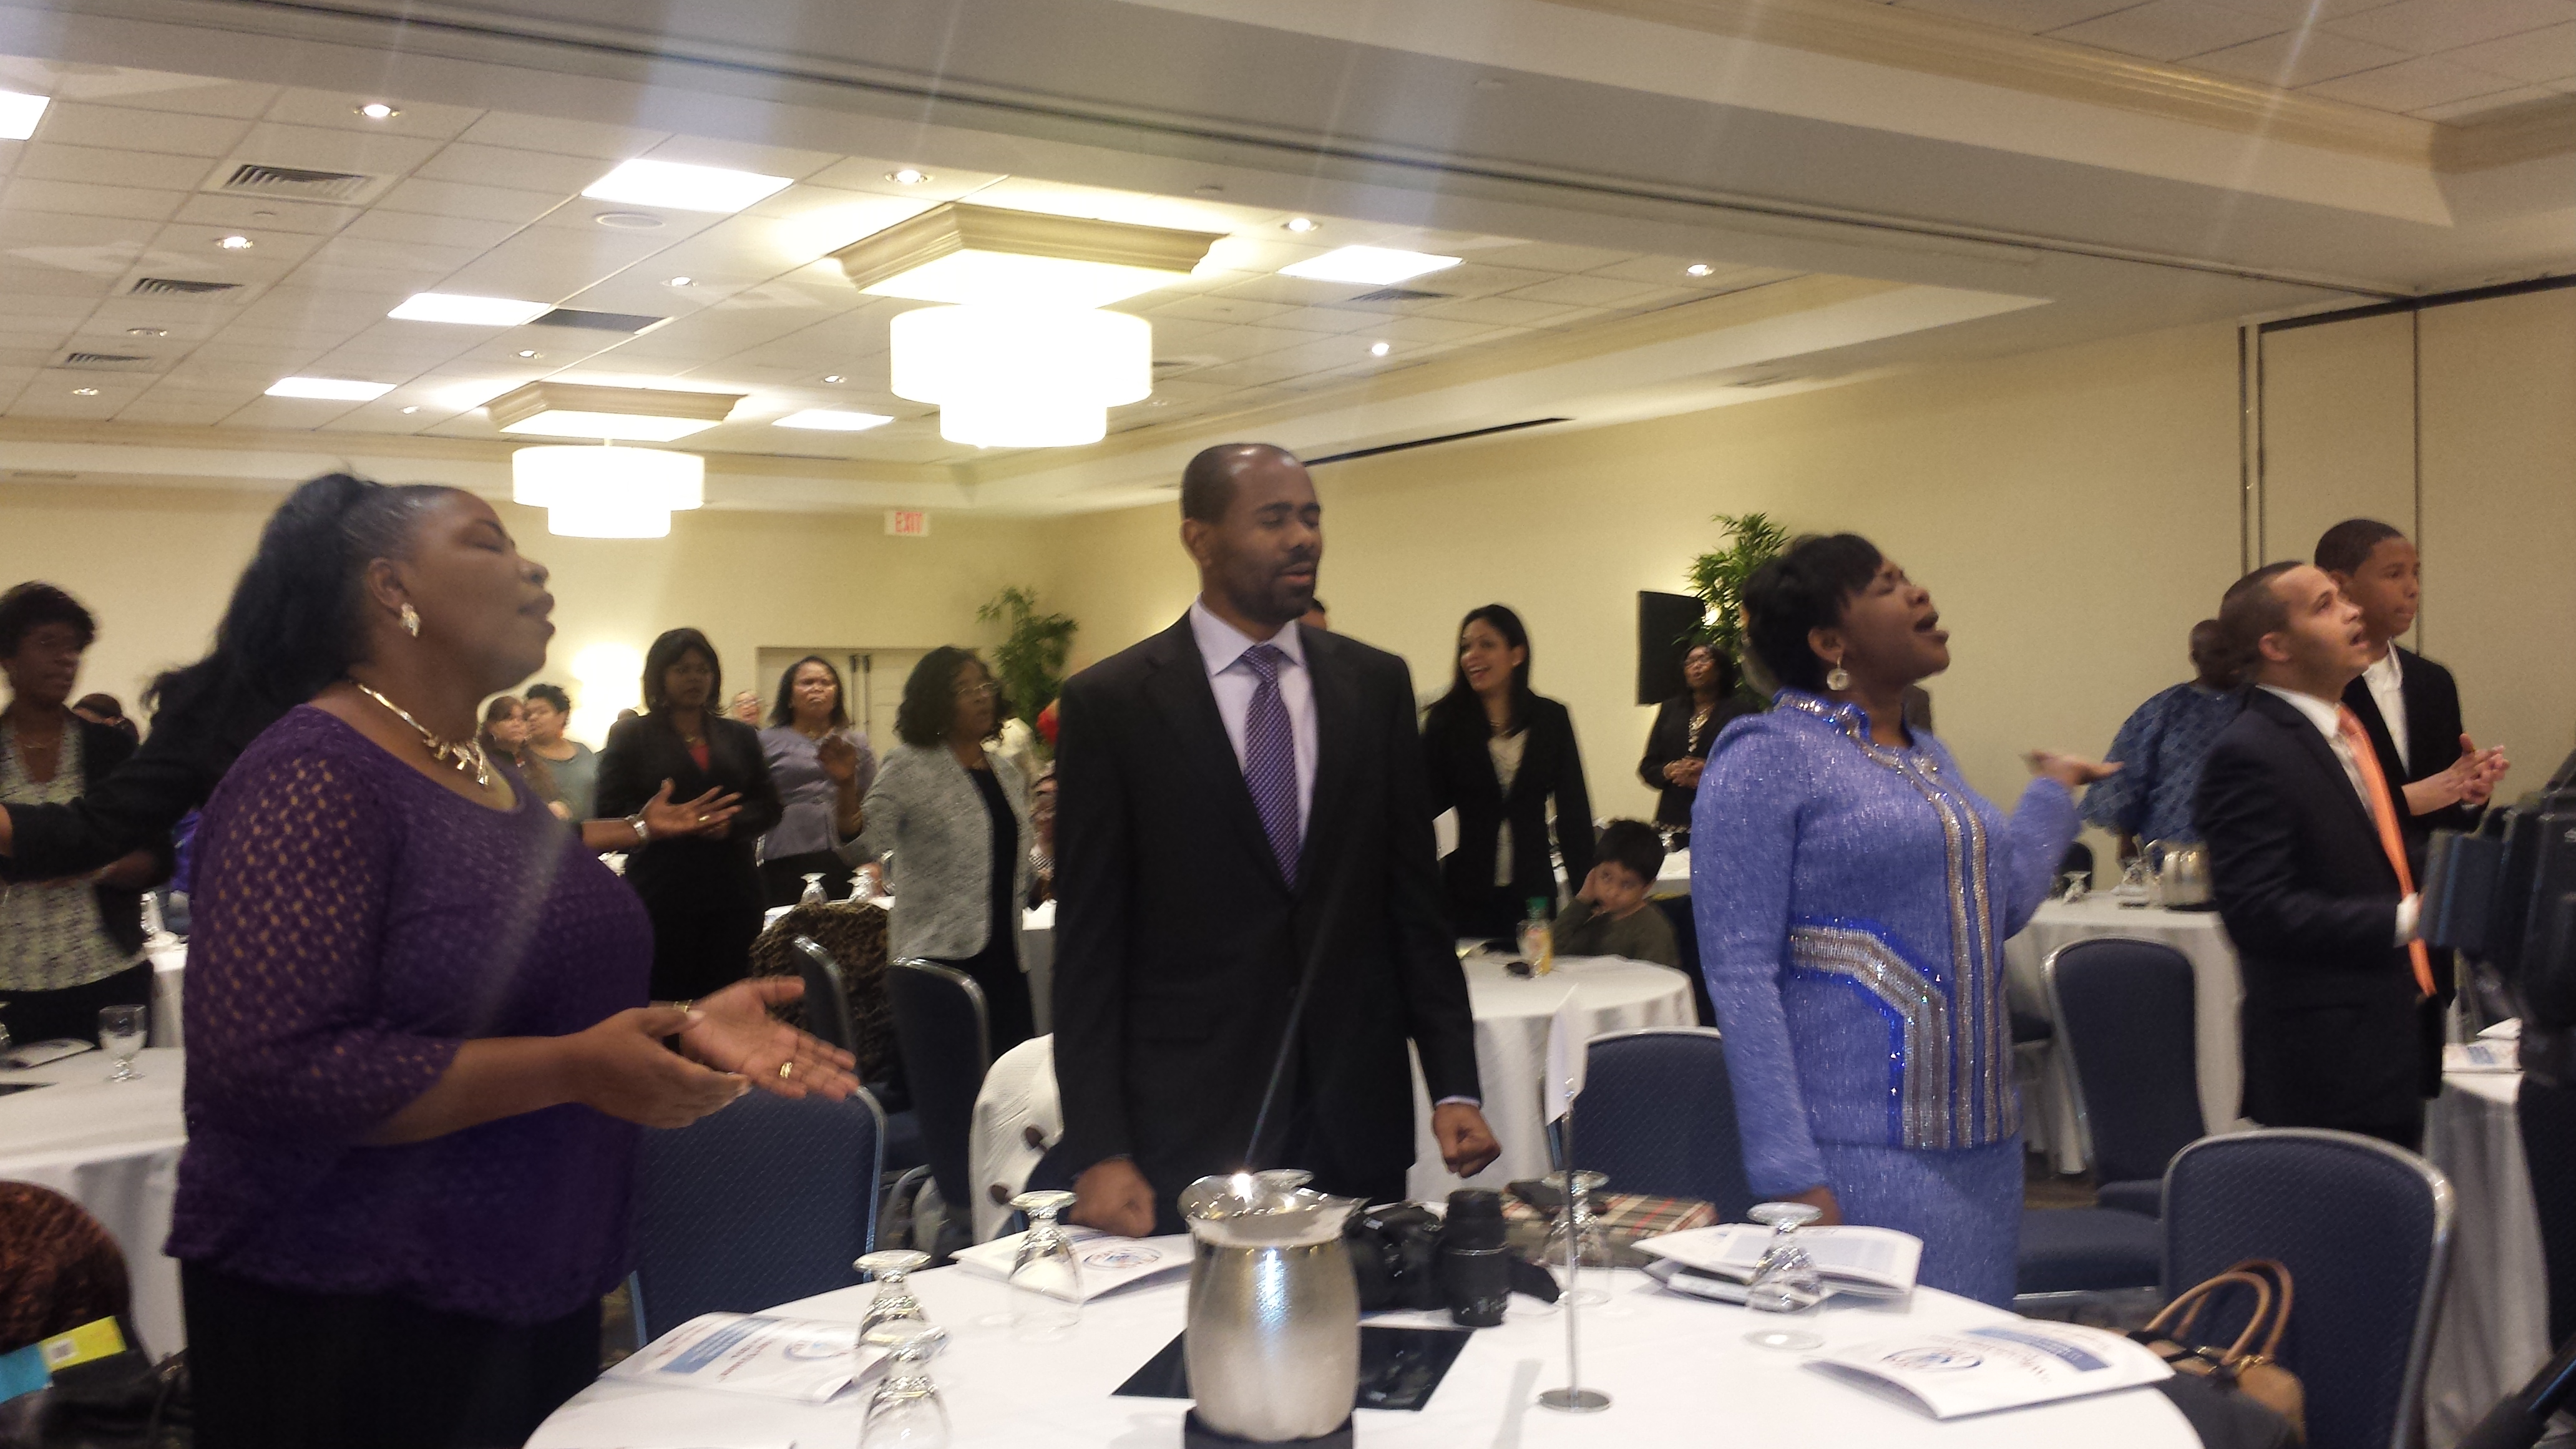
x,y
1501,756
419,1038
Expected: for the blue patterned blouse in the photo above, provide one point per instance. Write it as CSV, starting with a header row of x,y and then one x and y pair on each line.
x,y
2162,744
1853,900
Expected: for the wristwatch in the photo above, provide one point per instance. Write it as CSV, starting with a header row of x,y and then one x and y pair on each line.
x,y
643,832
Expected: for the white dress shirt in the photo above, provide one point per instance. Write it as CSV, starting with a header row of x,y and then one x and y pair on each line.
x,y
1223,646
2326,716
2387,683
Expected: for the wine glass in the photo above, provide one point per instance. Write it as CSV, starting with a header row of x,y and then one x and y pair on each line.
x,y
1785,1280
1576,1221
905,1412
894,1301
120,1030
1046,1281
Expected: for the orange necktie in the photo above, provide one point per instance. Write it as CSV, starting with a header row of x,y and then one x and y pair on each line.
x,y
2383,812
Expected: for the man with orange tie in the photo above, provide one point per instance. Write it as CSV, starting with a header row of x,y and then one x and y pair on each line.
x,y
2308,862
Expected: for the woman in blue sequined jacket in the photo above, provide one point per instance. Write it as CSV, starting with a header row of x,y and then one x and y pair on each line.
x,y
1853,896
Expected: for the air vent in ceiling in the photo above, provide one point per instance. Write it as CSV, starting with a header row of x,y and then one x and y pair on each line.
x,y
599,321
258,179
105,361
180,287
1402,294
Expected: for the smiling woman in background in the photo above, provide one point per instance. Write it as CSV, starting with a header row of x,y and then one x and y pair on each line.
x,y
72,944
702,891
822,769
1501,756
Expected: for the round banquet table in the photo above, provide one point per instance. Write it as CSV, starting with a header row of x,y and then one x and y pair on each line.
x,y
1678,1371
2493,1332
2217,990
114,1149
1512,1019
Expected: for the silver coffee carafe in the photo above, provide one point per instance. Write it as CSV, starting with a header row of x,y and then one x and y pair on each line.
x,y
1273,1345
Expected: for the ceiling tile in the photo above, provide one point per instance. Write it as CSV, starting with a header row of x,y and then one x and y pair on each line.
x,y
2027,16
520,170
1326,320
1507,312
146,412
1217,308
1545,257
574,138
77,124
2426,27
2411,85
446,231
378,253
45,161
2539,55
81,198
2296,58
2478,108
543,264
2168,29
795,165
158,90
61,229
580,213
1478,280
323,149
240,213
1414,332
2299,12
339,110
1590,292
480,203
867,173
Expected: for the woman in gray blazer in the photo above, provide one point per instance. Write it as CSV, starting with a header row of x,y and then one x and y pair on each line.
x,y
957,820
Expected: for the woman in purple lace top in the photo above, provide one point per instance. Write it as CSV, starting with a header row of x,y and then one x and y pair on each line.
x,y
419,1040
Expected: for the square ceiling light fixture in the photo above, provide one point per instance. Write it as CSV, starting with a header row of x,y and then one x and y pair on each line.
x,y
833,420
19,113
468,311
679,187
957,252
622,414
1376,266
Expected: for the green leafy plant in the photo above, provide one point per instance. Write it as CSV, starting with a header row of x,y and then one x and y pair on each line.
x,y
1030,658
1717,577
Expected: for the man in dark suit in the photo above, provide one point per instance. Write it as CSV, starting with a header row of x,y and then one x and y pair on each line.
x,y
2308,863
1241,796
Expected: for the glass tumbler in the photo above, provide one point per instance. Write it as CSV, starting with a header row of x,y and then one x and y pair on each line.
x,y
1785,1280
905,1412
1046,1278
120,1031
894,1301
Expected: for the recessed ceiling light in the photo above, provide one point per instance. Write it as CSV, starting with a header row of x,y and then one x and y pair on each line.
x,y
530,352
834,421
957,252
681,282
682,187
468,311
1379,349
626,414
628,220
832,377
334,389
906,176
1299,223
410,410
1698,269
236,243
84,392
1378,266
378,111
19,114
147,331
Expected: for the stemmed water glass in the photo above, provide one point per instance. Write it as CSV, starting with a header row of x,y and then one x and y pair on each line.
x,y
905,1412
894,1300
1576,1221
1046,1280
120,1030
1785,1280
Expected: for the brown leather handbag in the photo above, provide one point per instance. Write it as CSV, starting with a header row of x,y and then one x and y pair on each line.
x,y
2246,1368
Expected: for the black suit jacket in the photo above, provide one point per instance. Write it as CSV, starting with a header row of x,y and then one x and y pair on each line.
x,y
1179,945
2330,1020
691,873
2432,736
1461,771
1669,740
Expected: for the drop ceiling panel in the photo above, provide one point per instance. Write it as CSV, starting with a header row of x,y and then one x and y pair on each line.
x,y
77,124
338,110
243,213
862,173
468,199
2426,27
2027,16
1508,312
593,139
145,89
2480,106
545,265
323,149
1210,308
469,233
2537,57
2412,85
48,161
1546,256
83,198
464,162
795,165
2294,58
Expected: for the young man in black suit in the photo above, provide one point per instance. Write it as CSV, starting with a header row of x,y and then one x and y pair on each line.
x,y
2308,863
1238,796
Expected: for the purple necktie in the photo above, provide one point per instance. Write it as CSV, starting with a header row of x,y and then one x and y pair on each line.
x,y
1270,759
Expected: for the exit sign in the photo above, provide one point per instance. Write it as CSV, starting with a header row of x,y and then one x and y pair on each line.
x,y
907,523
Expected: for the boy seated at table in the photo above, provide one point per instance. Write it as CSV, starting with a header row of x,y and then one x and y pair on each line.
x,y
1611,915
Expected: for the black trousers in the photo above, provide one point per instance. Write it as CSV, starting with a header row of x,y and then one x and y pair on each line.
x,y
697,951
1009,1019
782,878
272,1368
2546,1112
73,1011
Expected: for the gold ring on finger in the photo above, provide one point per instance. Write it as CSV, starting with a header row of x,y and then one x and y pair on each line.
x,y
786,1069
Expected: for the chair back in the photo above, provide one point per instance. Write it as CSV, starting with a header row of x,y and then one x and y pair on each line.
x,y
764,1201
939,1021
2126,1019
853,933
827,1006
1658,1115
2078,859
2365,1229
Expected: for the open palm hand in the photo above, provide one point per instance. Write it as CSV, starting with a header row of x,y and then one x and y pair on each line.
x,y
733,1031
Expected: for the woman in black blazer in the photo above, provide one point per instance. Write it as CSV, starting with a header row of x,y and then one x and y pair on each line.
x,y
1498,755
1684,729
703,892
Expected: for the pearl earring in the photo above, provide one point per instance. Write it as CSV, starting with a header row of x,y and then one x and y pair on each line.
x,y
1837,679
411,621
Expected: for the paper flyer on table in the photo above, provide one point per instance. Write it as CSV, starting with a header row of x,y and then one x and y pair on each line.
x,y
1865,1262
748,1353
1998,1366
2491,1055
1106,1263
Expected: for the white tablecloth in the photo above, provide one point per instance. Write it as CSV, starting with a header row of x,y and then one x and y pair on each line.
x,y
2217,991
1512,1016
1678,1371
2494,1327
114,1149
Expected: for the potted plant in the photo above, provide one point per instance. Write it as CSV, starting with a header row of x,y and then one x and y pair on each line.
x,y
1717,579
1030,659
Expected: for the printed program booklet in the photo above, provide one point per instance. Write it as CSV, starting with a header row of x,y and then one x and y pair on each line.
x,y
1863,1262
1104,1263
1996,1366
750,1353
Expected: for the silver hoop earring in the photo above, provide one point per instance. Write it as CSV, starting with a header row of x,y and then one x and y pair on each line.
x,y
1836,678
411,621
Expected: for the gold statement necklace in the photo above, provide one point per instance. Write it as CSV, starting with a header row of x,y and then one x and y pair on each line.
x,y
466,758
